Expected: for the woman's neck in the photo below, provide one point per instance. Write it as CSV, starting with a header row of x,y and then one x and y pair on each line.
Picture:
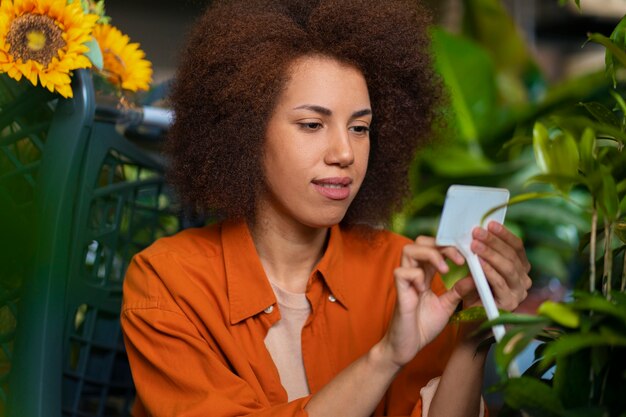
x,y
288,251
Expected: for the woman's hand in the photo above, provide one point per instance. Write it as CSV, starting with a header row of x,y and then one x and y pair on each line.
x,y
420,315
505,264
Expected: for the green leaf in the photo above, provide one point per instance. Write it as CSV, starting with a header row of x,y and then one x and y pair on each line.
x,y
571,379
488,22
613,52
618,37
601,113
560,313
572,123
520,199
533,396
473,98
456,161
541,140
560,182
95,54
469,315
515,318
555,154
587,412
599,305
587,150
571,343
609,143
607,196
512,344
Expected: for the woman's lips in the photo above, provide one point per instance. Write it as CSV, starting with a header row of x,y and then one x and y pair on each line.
x,y
333,188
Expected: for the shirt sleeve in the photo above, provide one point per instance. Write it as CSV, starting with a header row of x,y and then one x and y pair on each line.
x,y
176,371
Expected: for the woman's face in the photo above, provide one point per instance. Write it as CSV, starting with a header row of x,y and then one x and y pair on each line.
x,y
317,144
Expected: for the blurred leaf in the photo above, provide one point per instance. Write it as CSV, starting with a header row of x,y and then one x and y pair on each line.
x,y
601,113
560,182
555,154
587,149
94,53
550,260
512,344
573,123
610,143
519,199
617,38
473,98
614,54
571,379
456,161
515,318
598,304
560,313
488,22
532,395
469,315
607,196
570,343
586,412
621,104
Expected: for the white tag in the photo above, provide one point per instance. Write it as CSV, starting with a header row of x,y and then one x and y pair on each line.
x,y
463,210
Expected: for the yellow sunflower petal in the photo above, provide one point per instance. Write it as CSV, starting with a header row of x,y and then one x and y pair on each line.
x,y
124,62
53,72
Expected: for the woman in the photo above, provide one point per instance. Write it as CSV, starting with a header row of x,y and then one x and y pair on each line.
x,y
296,122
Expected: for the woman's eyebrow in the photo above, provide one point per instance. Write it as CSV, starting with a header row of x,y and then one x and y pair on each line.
x,y
361,113
315,108
328,112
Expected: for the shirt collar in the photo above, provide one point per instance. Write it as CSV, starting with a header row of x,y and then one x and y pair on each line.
x,y
249,290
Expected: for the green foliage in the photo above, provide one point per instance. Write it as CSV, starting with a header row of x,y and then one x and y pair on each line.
x,y
559,150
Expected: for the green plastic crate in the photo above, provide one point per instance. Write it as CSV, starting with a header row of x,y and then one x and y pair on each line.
x,y
96,200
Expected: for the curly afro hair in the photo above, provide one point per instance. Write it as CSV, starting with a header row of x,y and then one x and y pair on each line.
x,y
235,66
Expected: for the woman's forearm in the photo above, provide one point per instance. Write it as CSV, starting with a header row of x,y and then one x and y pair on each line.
x,y
358,389
460,387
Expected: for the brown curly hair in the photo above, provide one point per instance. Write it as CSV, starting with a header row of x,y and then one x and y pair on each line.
x,y
234,68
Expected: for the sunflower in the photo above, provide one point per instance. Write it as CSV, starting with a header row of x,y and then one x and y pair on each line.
x,y
44,40
124,63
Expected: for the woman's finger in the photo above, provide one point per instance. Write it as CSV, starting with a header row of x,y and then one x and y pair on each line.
x,y
415,255
511,240
506,296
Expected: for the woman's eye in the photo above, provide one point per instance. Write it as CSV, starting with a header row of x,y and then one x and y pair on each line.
x,y
361,130
310,126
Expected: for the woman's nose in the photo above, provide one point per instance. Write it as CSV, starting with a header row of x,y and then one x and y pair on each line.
x,y
340,150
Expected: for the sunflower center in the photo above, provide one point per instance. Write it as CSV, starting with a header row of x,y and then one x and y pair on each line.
x,y
36,37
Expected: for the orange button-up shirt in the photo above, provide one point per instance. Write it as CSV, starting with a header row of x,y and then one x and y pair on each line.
x,y
198,305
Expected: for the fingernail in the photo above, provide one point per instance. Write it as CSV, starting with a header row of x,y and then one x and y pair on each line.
x,y
495,226
481,233
443,267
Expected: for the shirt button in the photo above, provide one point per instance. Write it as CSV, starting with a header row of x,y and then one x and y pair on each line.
x,y
332,298
269,310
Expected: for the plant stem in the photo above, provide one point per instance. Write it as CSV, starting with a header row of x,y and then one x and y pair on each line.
x,y
623,286
607,274
592,249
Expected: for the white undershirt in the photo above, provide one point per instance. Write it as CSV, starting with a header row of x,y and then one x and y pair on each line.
x,y
284,341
